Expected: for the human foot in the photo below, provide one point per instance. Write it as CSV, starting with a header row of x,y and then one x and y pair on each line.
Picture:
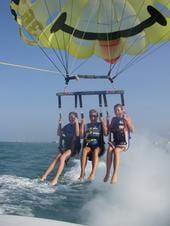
x,y
113,180
82,175
91,177
53,182
81,178
42,178
106,178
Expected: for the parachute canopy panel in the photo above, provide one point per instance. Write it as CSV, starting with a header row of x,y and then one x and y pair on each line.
x,y
104,28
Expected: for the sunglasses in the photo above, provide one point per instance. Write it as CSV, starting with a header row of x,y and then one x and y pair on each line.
x,y
93,116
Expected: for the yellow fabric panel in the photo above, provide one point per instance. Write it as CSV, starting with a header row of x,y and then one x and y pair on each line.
x,y
156,33
26,40
91,16
67,42
63,41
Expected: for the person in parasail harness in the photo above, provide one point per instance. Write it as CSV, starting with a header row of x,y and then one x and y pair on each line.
x,y
69,145
120,128
93,145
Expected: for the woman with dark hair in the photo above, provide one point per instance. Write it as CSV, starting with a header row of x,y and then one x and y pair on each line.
x,y
93,145
70,146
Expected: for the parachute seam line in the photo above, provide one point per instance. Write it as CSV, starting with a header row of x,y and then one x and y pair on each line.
x,y
139,59
74,61
126,39
55,52
65,54
149,53
85,61
46,55
110,66
60,51
108,47
68,45
135,58
49,58
110,69
81,41
121,19
123,56
60,56
120,60
45,52
118,66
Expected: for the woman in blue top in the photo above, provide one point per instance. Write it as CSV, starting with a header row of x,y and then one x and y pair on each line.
x,y
69,146
93,146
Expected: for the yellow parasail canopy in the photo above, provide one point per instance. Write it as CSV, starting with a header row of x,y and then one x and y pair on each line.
x,y
105,28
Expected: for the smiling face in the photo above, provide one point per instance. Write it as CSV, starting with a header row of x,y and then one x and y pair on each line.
x,y
72,117
93,115
118,110
155,17
105,28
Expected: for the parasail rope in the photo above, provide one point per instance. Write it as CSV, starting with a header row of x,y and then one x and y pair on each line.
x,y
81,41
60,56
136,58
28,67
122,56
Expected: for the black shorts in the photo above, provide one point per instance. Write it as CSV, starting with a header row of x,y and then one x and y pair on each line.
x,y
74,150
90,155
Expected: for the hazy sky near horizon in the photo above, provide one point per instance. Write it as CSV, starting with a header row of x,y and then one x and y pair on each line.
x,y
28,104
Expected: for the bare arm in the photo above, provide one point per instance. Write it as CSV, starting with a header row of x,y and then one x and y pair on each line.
x,y
82,127
129,123
77,127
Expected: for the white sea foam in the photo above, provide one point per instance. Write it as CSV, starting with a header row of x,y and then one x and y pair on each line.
x,y
141,196
18,194
10,183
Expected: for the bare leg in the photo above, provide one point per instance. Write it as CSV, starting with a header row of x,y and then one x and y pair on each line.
x,y
50,168
95,162
116,164
62,159
85,152
108,163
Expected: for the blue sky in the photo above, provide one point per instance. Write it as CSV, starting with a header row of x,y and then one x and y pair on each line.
x,y
28,105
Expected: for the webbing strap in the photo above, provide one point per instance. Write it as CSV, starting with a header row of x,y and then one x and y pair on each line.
x,y
76,101
59,101
122,99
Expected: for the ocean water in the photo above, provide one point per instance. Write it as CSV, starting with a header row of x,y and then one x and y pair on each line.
x,y
140,198
21,192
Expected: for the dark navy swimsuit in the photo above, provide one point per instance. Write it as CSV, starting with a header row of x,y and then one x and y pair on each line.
x,y
118,131
70,140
